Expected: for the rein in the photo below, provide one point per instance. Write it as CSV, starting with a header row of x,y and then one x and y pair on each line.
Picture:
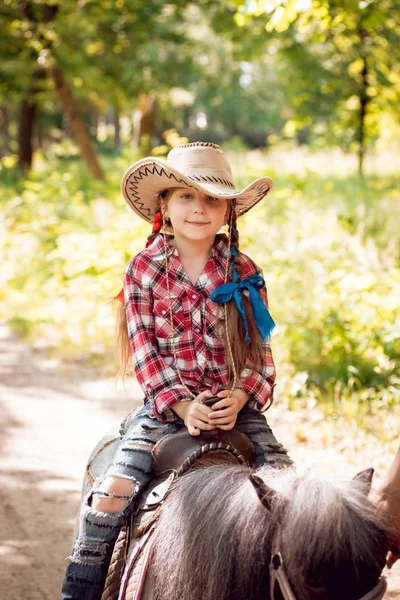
x,y
277,575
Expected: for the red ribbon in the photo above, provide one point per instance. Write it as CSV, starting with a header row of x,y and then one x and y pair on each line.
x,y
120,296
157,222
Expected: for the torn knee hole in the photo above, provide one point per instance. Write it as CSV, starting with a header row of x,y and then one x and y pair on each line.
x,y
116,485
112,494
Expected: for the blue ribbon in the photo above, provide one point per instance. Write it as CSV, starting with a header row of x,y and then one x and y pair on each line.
x,y
253,285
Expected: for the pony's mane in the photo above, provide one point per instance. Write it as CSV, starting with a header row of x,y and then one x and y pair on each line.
x,y
214,534
332,535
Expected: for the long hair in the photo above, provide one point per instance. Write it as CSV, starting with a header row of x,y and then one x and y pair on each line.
x,y
214,536
243,354
122,345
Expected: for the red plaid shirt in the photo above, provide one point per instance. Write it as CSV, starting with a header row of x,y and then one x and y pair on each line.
x,y
199,349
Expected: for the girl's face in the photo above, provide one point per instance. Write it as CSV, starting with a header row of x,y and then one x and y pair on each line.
x,y
194,215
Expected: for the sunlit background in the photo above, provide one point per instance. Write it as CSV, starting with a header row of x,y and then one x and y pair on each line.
x,y
306,92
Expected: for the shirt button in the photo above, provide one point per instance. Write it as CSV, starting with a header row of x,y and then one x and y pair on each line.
x,y
197,329
163,312
194,296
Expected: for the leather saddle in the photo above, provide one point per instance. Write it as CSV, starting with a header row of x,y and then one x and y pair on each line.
x,y
178,451
173,453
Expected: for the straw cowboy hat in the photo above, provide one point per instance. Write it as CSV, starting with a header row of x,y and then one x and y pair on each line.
x,y
201,165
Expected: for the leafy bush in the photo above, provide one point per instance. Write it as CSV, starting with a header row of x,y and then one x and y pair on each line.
x,y
329,247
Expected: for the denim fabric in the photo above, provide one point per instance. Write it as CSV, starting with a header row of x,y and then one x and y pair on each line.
x,y
94,543
98,531
132,459
267,449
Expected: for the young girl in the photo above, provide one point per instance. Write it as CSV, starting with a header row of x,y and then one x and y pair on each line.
x,y
195,321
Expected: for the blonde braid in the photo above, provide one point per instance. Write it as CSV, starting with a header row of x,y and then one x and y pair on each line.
x,y
228,344
234,235
238,352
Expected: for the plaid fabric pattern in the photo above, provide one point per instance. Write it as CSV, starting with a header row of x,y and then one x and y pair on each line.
x,y
196,329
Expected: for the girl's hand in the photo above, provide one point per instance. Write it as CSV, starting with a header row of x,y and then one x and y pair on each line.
x,y
196,415
224,413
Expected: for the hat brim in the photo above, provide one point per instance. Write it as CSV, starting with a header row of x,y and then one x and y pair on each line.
x,y
145,179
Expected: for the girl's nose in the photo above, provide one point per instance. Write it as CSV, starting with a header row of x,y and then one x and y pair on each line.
x,y
199,203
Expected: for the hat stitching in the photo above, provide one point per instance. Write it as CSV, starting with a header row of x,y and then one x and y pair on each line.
x,y
196,144
150,168
260,190
211,179
133,183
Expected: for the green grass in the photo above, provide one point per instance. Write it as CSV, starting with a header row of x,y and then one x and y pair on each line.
x,y
329,246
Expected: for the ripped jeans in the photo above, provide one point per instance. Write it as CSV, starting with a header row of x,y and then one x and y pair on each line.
x,y
98,531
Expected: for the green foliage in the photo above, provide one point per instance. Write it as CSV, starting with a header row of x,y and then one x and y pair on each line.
x,y
333,275
319,72
340,63
329,247
66,244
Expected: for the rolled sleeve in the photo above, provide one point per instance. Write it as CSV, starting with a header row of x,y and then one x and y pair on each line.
x,y
159,382
162,402
259,385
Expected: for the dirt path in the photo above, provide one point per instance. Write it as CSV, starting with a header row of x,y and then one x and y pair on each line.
x,y
51,417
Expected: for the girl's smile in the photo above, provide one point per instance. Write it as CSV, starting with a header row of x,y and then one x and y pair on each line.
x,y
195,215
197,223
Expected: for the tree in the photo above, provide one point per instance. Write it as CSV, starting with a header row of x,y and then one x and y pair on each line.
x,y
89,49
355,49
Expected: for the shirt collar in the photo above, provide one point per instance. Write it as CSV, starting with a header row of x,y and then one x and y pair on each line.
x,y
158,249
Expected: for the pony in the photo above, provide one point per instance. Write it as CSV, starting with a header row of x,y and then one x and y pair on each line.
x,y
227,533
212,528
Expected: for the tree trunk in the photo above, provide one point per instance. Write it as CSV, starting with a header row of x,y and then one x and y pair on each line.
x,y
363,110
363,105
25,134
5,130
117,128
78,128
144,120
27,121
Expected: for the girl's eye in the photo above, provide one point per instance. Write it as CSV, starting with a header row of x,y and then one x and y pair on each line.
x,y
212,200
187,196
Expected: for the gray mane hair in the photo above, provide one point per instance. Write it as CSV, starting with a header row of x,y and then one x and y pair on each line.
x,y
328,525
214,534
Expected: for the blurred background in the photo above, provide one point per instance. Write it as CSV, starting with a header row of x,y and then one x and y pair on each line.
x,y
305,91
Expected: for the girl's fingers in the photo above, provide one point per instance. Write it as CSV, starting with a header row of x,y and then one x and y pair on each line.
x,y
223,394
222,403
223,412
224,421
193,430
227,427
203,395
201,411
201,425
